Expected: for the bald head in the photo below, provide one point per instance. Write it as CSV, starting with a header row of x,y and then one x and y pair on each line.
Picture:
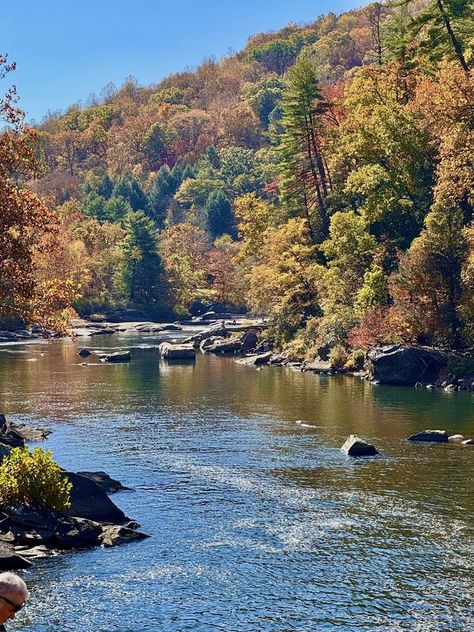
x,y
13,588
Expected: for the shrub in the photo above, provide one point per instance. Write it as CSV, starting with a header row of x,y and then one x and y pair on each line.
x,y
356,361
338,357
33,478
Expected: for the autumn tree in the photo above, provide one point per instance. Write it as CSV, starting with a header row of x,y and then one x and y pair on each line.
x,y
25,225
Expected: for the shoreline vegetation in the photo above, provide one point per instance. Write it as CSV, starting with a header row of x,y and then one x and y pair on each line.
x,y
320,179
322,176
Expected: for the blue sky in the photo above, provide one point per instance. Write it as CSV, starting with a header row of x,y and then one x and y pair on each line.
x,y
67,49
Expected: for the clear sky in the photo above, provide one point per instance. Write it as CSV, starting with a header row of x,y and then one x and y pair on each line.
x,y
67,49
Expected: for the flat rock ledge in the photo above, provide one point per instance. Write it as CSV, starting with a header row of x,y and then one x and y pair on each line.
x,y
30,532
355,446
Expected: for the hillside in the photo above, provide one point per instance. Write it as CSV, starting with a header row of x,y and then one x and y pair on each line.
x,y
322,176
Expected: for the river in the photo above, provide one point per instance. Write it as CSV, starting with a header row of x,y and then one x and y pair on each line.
x,y
258,521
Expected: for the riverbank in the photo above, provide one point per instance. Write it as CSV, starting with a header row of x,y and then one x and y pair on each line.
x,y
31,532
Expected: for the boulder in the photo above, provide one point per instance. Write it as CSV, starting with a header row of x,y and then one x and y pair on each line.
x,y
457,438
223,346
318,366
76,533
10,561
118,356
108,484
9,435
208,342
85,353
355,446
434,436
216,330
209,316
89,500
248,341
406,364
113,535
170,351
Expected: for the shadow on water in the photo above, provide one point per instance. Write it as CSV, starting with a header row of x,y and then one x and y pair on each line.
x,y
258,521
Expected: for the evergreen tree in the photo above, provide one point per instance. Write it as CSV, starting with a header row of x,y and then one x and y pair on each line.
x,y
162,190
129,188
140,274
219,215
305,178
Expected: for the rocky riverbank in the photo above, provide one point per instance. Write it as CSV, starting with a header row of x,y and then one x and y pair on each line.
x,y
92,519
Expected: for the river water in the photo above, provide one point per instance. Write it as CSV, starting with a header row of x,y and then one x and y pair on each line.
x,y
258,522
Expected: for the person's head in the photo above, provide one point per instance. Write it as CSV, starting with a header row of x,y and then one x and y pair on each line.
x,y
13,595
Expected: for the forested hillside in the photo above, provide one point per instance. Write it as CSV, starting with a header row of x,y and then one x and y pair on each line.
x,y
323,176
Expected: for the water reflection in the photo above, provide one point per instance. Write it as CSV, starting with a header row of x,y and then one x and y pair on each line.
x,y
257,522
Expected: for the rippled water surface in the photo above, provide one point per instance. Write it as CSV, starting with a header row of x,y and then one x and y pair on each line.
x,y
257,520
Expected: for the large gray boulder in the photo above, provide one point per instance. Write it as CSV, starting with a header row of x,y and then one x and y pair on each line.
x,y
170,351
406,364
355,446
434,436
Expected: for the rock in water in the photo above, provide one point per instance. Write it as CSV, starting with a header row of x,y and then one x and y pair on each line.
x,y
171,351
114,534
119,356
85,353
457,438
435,436
355,446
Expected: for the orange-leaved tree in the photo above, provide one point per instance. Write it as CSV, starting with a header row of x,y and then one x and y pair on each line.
x,y
25,222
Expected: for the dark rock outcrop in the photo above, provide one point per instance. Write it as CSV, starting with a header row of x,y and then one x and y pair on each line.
x,y
108,484
406,364
89,500
355,446
434,436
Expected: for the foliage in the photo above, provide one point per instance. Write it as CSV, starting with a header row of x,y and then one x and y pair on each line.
x,y
33,478
338,357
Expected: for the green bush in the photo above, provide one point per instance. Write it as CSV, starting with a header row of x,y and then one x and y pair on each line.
x,y
338,357
33,478
356,361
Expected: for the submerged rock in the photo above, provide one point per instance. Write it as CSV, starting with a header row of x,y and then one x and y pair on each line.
x,y
355,446
434,436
